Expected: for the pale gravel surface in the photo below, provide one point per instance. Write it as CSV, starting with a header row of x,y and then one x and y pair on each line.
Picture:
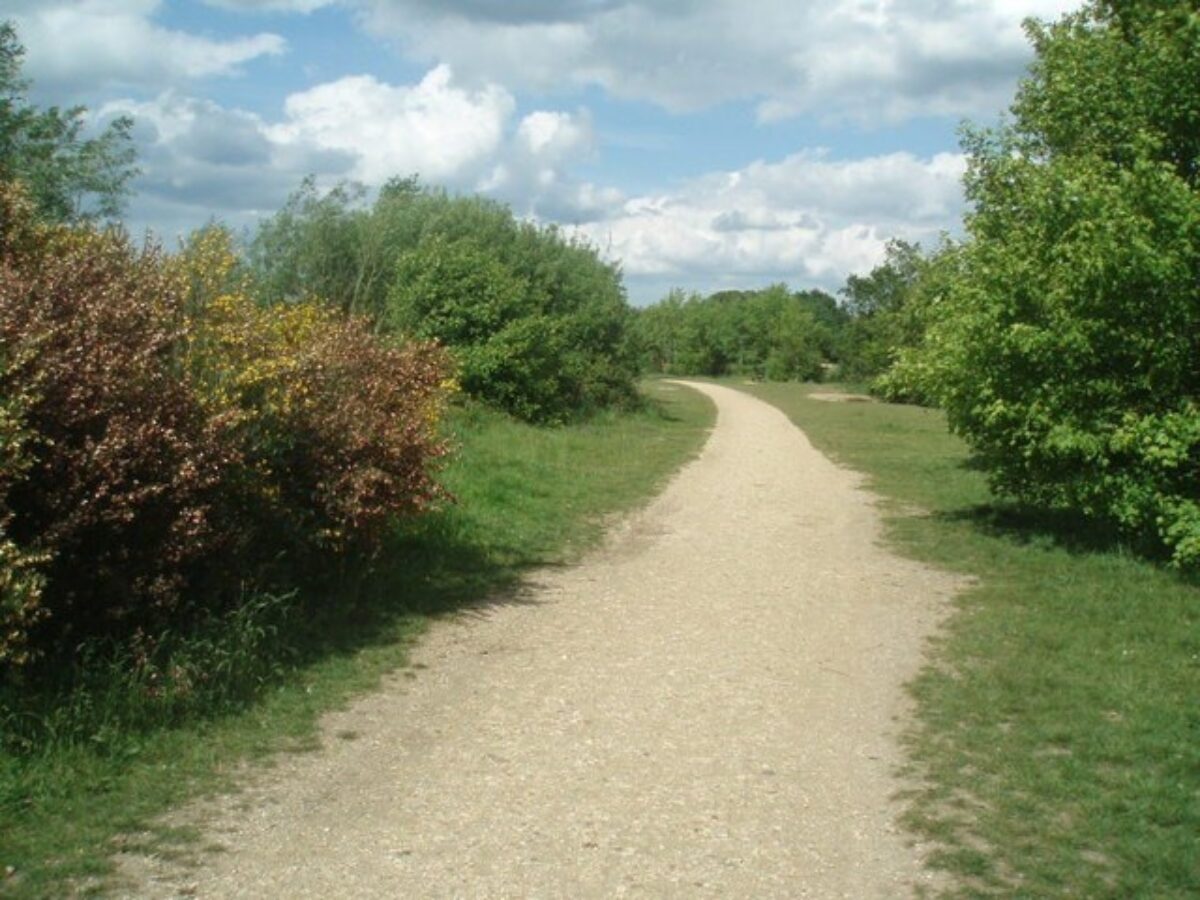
x,y
707,706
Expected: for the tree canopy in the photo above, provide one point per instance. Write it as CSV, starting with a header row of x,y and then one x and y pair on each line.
x,y
70,177
536,319
1066,348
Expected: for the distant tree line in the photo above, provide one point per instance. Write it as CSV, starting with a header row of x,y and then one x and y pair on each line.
x,y
772,333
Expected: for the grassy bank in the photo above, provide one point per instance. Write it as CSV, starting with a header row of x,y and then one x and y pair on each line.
x,y
103,761
1058,724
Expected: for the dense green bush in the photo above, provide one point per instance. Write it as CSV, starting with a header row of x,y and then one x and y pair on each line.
x,y
536,321
879,306
900,337
1066,348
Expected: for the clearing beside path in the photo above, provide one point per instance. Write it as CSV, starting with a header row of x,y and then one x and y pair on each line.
x,y
706,706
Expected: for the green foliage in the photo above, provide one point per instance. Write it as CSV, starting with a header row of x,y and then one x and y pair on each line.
x,y
911,369
70,178
772,334
464,272
1116,81
1067,348
879,307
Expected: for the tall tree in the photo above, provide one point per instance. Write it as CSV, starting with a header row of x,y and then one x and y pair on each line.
x,y
70,177
1067,350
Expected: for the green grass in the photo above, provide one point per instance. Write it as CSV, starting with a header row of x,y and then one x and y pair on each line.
x,y
101,763
1057,736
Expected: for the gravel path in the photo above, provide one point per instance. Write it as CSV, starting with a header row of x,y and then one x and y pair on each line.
x,y
707,706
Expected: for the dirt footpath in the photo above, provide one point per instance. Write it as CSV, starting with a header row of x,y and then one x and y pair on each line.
x,y
706,706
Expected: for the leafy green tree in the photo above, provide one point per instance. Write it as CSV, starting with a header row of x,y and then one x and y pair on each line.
x,y
793,351
1067,351
70,178
657,333
875,303
537,321
311,248
911,374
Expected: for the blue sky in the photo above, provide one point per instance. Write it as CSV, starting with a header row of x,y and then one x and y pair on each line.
x,y
703,143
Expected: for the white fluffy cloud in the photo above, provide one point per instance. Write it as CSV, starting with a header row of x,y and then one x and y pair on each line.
x,y
807,219
75,47
201,159
852,59
441,131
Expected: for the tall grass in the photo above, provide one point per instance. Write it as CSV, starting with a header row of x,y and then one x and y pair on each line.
x,y
1056,746
88,761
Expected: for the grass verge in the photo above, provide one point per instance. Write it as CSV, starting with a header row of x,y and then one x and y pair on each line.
x,y
1057,736
112,754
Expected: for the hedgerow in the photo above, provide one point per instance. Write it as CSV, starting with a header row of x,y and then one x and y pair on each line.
x,y
162,435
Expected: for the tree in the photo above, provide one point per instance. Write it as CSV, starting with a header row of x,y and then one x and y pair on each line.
x,y
875,303
69,177
1068,348
657,332
770,333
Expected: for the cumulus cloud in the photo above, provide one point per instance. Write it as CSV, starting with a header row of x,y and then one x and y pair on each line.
x,y
534,173
289,6
845,59
76,47
200,156
444,132
808,219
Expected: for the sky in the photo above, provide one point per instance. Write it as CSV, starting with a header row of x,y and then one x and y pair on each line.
x,y
703,144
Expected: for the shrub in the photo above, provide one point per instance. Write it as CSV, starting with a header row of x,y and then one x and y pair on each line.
x,y
119,465
1068,349
162,436
545,346
337,430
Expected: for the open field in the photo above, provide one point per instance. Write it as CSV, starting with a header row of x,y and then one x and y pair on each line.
x,y
1057,729
526,496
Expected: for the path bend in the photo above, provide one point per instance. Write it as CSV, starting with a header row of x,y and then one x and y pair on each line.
x,y
707,706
